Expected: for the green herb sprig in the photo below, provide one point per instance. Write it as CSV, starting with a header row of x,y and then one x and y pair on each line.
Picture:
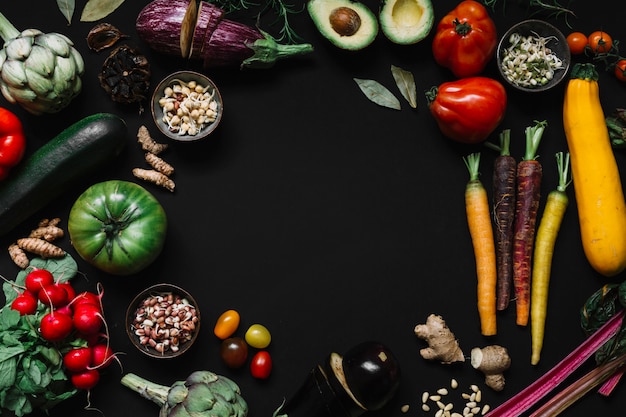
x,y
553,8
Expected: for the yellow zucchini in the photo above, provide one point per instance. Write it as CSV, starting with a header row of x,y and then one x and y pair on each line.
x,y
597,184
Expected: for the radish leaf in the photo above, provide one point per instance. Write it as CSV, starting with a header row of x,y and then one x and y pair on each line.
x,y
378,93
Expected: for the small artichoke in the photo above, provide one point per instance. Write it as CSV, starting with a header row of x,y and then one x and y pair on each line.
x,y
202,394
39,71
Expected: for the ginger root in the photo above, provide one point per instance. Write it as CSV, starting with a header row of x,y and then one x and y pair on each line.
x,y
492,360
442,344
147,143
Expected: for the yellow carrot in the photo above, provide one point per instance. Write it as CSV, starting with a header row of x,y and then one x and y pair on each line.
x,y
545,241
481,232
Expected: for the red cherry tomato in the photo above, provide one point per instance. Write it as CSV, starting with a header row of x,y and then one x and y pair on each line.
x,y
227,324
577,42
261,365
620,70
600,42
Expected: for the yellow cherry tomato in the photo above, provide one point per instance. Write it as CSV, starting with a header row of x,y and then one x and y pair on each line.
x,y
258,336
227,324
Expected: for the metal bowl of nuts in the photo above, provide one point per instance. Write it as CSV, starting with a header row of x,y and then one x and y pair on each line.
x,y
533,56
163,321
187,106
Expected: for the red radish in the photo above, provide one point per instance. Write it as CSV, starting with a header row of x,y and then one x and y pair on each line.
x,y
55,326
78,359
102,355
37,279
71,293
25,303
85,380
88,319
169,27
54,295
88,298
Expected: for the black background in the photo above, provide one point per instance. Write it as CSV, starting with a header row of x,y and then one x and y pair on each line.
x,y
323,216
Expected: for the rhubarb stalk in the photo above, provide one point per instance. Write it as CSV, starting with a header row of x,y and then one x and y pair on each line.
x,y
532,394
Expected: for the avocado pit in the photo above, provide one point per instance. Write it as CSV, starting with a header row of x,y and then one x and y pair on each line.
x,y
345,21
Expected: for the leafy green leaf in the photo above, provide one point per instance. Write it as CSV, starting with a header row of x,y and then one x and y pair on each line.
x,y
66,7
99,9
378,93
406,84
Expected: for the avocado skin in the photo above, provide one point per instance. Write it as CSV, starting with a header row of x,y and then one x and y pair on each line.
x,y
321,12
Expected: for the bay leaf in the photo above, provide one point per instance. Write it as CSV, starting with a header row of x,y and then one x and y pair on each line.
x,y
406,84
378,93
99,9
66,7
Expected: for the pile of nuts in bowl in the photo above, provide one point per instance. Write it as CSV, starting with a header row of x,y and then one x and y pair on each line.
x,y
164,322
188,107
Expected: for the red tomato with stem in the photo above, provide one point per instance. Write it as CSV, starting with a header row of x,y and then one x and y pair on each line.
x,y
261,365
620,70
468,110
600,42
465,39
577,42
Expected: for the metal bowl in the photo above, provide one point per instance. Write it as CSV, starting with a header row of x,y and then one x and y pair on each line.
x,y
211,106
163,321
537,29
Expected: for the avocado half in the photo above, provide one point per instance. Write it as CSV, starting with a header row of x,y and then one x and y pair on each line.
x,y
347,24
406,22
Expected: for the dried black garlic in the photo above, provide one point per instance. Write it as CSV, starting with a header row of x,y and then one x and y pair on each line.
x,y
125,75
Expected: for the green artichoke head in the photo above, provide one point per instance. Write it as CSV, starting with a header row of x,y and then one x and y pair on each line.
x,y
40,71
202,394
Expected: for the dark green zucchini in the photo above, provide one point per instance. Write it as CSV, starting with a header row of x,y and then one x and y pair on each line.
x,y
83,148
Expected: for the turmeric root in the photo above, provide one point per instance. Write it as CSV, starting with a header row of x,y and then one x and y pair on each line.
x,y
159,164
147,143
18,256
155,177
492,360
40,247
442,344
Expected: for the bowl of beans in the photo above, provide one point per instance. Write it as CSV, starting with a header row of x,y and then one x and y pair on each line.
x,y
163,321
187,106
533,56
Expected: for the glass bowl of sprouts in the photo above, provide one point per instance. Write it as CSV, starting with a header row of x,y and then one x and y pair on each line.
x,y
533,56
187,106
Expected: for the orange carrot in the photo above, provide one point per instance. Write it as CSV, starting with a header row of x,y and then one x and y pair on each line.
x,y
481,232
542,258
504,179
529,173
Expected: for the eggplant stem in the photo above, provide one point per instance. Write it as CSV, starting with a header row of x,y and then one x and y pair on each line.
x,y
267,51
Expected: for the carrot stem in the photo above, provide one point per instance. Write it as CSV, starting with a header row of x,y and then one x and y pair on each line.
x,y
529,174
504,179
545,242
481,232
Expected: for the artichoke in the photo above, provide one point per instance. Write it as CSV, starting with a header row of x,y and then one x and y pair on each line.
x,y
39,71
202,394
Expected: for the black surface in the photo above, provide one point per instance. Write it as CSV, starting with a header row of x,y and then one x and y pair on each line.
x,y
325,217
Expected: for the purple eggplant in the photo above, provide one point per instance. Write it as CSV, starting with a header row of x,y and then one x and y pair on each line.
x,y
198,30
364,379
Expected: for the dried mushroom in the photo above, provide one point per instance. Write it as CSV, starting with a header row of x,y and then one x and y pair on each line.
x,y
103,35
125,75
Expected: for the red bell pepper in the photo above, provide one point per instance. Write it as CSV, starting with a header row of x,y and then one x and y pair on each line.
x,y
12,142
465,39
469,109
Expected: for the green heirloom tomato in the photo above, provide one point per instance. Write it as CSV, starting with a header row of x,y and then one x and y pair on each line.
x,y
117,226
